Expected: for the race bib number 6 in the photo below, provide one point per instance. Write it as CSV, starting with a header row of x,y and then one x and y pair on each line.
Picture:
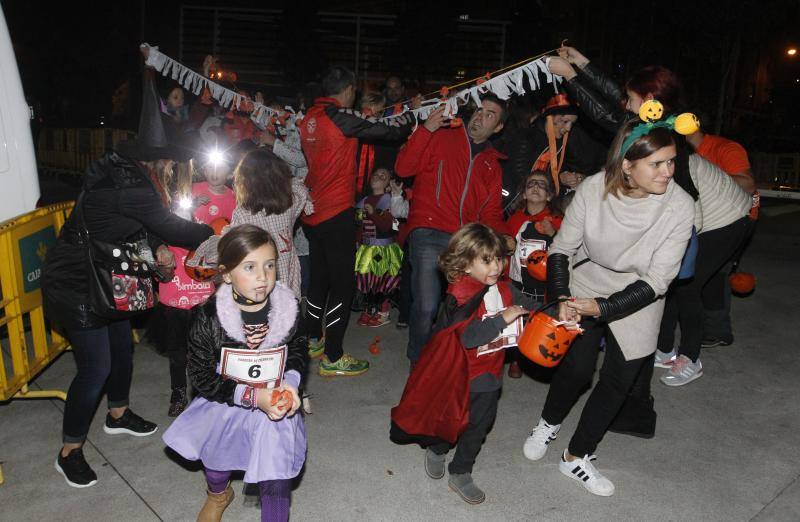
x,y
257,368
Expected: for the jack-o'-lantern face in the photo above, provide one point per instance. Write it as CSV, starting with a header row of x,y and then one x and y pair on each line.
x,y
198,273
537,265
544,341
651,110
554,351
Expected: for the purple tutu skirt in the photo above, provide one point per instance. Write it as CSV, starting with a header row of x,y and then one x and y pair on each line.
x,y
229,438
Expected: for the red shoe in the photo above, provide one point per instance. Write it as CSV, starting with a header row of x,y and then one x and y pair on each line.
x,y
514,371
379,319
365,319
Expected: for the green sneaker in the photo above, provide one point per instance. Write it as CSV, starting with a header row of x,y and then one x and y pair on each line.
x,y
316,348
346,366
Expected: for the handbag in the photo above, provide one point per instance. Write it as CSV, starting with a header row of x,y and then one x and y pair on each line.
x,y
120,273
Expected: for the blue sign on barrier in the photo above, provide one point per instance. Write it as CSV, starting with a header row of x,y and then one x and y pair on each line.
x,y
32,250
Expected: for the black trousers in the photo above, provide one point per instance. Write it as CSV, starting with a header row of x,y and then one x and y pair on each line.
x,y
575,373
104,357
332,246
685,300
482,411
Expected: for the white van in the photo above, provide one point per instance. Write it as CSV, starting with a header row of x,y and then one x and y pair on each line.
x,y
19,180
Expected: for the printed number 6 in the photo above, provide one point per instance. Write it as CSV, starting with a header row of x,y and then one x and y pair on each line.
x,y
254,371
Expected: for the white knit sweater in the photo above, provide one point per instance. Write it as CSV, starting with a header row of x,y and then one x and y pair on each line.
x,y
722,201
626,239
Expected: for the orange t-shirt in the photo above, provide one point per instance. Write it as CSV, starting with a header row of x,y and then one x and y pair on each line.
x,y
731,158
724,153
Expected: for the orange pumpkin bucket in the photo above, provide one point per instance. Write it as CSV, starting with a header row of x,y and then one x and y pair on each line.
x,y
545,341
537,265
198,273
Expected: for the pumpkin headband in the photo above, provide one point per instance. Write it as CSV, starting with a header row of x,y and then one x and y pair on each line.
x,y
650,113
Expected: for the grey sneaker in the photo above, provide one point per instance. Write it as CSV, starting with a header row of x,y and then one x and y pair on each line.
x,y
683,371
665,360
462,484
434,464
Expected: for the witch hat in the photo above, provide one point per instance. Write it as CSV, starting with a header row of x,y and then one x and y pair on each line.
x,y
151,142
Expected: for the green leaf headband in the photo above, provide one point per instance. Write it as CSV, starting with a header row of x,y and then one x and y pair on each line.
x,y
650,112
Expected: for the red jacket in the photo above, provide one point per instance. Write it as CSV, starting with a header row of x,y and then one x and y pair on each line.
x,y
451,189
329,136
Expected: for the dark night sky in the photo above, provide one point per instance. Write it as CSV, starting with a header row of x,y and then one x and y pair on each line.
x,y
72,56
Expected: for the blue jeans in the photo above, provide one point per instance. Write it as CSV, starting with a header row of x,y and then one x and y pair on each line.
x,y
104,357
424,247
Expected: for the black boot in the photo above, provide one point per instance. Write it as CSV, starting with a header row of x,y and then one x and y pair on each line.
x,y
636,418
177,402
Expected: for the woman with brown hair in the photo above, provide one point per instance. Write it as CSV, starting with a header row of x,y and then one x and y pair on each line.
x,y
625,234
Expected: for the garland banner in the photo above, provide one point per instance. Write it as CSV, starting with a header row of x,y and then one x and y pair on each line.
x,y
503,86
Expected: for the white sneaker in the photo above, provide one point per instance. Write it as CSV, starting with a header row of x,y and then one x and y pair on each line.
x,y
665,360
536,444
584,471
683,371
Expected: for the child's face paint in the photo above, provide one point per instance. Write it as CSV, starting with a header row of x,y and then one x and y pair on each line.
x,y
254,278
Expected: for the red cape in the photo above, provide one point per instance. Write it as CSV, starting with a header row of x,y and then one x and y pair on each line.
x,y
435,401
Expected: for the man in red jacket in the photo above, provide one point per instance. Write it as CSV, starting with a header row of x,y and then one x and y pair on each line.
x,y
458,181
329,135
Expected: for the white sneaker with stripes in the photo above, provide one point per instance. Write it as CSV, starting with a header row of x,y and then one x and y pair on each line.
x,y
536,444
584,472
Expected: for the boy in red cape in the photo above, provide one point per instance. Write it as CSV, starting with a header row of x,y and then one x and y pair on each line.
x,y
452,392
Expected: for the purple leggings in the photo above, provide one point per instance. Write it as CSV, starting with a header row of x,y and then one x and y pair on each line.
x,y
274,494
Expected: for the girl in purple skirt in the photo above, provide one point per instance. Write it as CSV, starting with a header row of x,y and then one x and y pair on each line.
x,y
246,365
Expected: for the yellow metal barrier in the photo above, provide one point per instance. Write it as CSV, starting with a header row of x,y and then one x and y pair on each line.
x,y
24,241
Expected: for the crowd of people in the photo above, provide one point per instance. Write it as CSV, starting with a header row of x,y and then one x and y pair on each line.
x,y
264,240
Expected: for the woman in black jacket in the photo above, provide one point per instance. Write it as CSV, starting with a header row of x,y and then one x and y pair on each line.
x,y
528,149
120,202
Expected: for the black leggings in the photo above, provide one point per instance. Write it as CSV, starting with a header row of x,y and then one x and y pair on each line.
x,y
575,374
332,244
104,357
685,299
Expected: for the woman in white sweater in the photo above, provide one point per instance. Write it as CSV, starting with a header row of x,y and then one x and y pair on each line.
x,y
619,248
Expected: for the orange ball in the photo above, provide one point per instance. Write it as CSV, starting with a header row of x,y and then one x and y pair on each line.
x,y
742,282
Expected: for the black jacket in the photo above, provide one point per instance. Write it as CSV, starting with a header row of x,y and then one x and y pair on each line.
x,y
598,96
206,339
601,99
583,155
120,202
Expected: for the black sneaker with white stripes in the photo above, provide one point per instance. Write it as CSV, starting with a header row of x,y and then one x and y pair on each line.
x,y
584,472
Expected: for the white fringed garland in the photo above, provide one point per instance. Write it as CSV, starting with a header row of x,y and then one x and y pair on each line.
x,y
503,86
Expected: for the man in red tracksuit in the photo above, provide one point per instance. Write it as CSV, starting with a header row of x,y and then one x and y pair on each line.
x,y
330,133
458,180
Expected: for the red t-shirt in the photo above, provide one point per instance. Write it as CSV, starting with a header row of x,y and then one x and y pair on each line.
x,y
220,206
